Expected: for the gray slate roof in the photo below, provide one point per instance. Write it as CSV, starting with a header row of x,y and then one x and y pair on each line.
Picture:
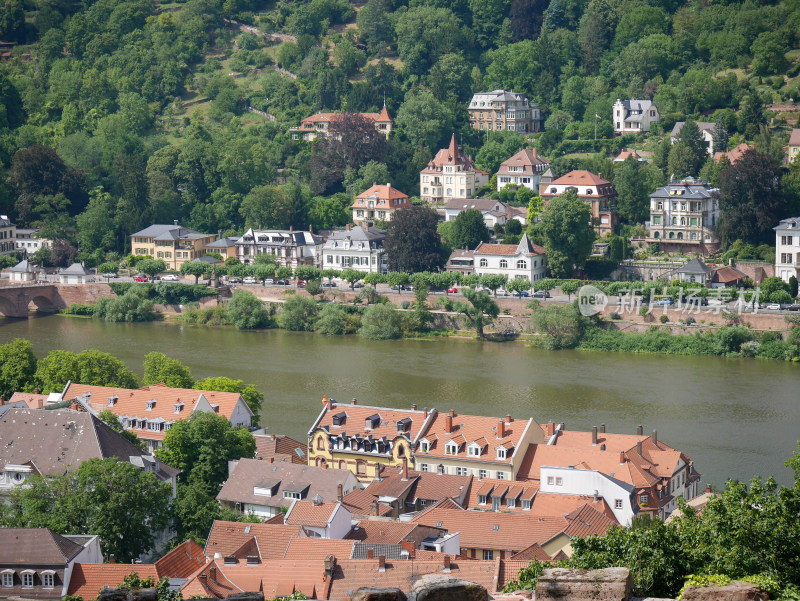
x,y
5,221
222,243
790,222
695,267
39,546
57,439
701,125
358,233
75,269
169,232
23,267
690,190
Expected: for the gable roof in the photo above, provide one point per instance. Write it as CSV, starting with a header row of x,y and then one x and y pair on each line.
x,y
703,126
42,546
360,502
381,531
55,440
88,579
75,269
271,540
381,191
527,158
355,416
452,155
23,267
309,513
581,178
358,233
31,400
726,275
278,445
309,480
134,402
734,154
794,138
481,204
694,266
181,562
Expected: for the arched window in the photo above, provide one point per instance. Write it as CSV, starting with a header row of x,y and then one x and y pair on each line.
x,y
656,235
342,464
680,235
671,235
503,264
660,206
683,220
674,221
521,264
484,262
361,467
401,451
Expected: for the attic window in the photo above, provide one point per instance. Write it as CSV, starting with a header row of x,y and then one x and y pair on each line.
x,y
404,424
229,561
339,418
496,527
501,453
474,450
112,400
373,421
252,560
150,404
424,446
178,407
451,448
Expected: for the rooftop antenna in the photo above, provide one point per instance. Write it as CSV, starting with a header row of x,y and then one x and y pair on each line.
x,y
384,98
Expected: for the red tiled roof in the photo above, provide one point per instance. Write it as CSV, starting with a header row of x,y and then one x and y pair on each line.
x,y
226,538
359,502
725,275
452,155
278,447
736,153
88,579
308,513
558,504
794,138
527,555
586,520
312,549
181,562
381,531
580,178
382,192
468,428
33,401
520,491
354,423
308,122
133,403
526,158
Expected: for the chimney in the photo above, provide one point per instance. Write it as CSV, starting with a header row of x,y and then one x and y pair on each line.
x,y
212,572
310,229
562,426
330,564
354,401
452,413
271,460
2,400
112,559
413,407
448,423
509,419
291,228
382,563
348,227
549,429
405,469
639,430
339,493
446,564
204,578
41,403
408,545
370,553
639,448
602,447
501,429
175,222
602,428
594,436
621,458
655,438
375,510
426,411
708,488
35,391
366,226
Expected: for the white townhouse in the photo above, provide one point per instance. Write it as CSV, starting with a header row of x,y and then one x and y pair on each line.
x,y
523,169
28,241
634,116
787,248
525,260
289,247
359,248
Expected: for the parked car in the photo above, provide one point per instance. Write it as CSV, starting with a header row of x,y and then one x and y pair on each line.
x,y
794,307
281,282
773,306
269,281
502,292
329,284
664,302
249,280
358,285
696,300
521,293
301,283
541,294
110,275
170,277
140,278
452,290
234,280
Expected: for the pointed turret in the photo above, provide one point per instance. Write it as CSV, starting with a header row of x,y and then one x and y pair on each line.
x,y
384,114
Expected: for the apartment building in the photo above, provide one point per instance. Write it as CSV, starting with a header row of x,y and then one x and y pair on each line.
x,y
499,110
450,174
683,216
174,244
787,248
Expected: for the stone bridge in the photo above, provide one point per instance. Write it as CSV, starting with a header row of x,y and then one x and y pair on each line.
x,y
15,300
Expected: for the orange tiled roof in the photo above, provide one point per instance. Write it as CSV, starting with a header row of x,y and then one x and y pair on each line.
x,y
354,423
581,178
182,561
526,158
381,191
557,504
486,486
308,513
226,538
359,502
452,155
381,531
467,429
528,554
134,403
586,520
734,154
308,122
279,447
33,401
88,579
313,549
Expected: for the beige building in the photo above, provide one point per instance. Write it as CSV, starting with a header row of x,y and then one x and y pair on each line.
x,y
8,235
450,174
794,145
378,204
471,445
592,189
683,216
173,244
504,111
323,124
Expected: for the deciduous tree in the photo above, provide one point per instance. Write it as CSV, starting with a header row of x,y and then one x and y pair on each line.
x,y
567,233
159,368
479,309
87,367
412,242
249,392
17,367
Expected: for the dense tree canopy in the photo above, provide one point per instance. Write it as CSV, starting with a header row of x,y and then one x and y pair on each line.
x,y
567,232
412,241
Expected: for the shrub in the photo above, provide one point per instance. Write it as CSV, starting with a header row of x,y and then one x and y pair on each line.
x,y
298,314
78,309
209,316
663,319
405,304
614,316
131,306
562,325
690,321
332,320
247,312
380,322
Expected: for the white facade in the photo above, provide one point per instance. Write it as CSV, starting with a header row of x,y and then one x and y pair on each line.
x,y
571,481
526,261
339,523
706,132
29,242
358,248
494,212
91,553
290,248
787,249
634,116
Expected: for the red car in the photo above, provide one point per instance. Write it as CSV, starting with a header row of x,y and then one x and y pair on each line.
x,y
452,290
140,278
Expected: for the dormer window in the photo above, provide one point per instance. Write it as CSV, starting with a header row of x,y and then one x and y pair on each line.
x,y
151,404
178,407
588,191
502,452
112,400
451,448
482,500
339,418
404,424
424,446
373,421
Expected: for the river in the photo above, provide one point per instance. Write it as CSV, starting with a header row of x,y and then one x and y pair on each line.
x,y
734,417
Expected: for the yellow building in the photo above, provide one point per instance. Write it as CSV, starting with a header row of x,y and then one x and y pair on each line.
x,y
174,244
365,440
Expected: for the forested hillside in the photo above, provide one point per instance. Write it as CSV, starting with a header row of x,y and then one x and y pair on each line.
x,y
116,114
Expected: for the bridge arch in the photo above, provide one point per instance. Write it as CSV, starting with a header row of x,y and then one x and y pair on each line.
x,y
7,308
42,303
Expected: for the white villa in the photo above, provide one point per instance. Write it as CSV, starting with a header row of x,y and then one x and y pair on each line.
x,y
634,116
525,260
359,248
787,248
289,247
